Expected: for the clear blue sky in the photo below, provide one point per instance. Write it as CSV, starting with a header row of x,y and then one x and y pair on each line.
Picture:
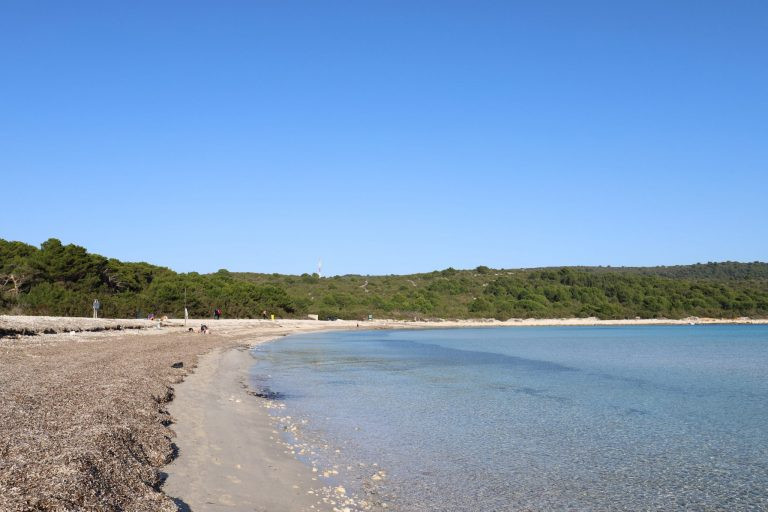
x,y
387,136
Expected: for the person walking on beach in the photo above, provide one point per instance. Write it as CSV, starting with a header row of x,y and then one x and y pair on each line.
x,y
216,313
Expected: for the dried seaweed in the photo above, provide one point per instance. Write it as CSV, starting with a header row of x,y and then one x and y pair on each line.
x,y
83,424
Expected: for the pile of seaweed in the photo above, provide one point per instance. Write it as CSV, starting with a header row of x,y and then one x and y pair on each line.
x,y
84,424
19,325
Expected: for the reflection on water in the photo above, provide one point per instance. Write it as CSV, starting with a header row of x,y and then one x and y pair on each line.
x,y
567,418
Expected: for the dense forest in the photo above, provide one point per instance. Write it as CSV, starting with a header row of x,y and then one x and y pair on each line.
x,y
59,279
65,279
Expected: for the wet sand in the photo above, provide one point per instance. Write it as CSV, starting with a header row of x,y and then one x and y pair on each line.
x,y
228,456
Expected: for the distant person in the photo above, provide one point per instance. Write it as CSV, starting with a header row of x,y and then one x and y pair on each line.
x,y
264,314
151,316
216,313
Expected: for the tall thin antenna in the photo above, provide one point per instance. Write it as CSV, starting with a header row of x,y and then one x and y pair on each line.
x,y
320,268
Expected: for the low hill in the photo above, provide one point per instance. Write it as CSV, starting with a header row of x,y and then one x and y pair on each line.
x,y
708,290
61,279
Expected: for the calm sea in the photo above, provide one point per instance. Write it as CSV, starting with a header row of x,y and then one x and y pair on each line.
x,y
540,418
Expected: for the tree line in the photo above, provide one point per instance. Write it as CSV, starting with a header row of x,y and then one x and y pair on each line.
x,y
57,279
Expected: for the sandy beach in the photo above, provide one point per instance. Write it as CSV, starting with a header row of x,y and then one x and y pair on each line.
x,y
94,417
85,419
229,457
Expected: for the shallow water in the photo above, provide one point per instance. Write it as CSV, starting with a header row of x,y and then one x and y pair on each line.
x,y
541,418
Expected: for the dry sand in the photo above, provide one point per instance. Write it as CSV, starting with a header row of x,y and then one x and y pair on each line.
x,y
86,426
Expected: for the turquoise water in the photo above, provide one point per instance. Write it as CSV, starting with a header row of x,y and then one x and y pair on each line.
x,y
561,418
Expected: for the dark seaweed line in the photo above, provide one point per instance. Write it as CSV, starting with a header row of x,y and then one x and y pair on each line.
x,y
16,333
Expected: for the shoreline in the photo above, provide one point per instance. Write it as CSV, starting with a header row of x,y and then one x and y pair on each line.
x,y
228,456
230,453
85,399
282,488
85,423
21,325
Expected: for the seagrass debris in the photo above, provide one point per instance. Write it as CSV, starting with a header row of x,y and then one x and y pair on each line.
x,y
19,325
84,424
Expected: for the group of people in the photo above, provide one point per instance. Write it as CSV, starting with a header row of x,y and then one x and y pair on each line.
x,y
204,329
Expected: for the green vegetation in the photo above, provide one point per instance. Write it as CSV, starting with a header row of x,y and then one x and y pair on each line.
x,y
64,279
